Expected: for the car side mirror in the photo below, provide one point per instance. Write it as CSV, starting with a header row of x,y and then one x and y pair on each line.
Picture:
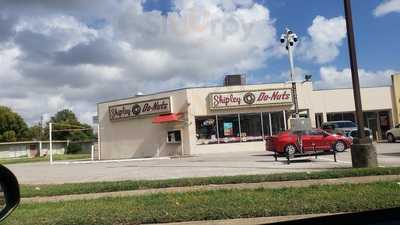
x,y
9,192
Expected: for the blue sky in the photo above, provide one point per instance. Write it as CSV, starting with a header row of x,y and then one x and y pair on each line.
x,y
378,39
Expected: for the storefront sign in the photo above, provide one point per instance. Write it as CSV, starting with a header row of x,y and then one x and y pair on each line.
x,y
250,98
136,109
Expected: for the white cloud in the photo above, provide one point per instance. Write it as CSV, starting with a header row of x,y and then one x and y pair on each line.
x,y
55,57
66,30
326,36
331,77
285,75
386,7
298,74
280,77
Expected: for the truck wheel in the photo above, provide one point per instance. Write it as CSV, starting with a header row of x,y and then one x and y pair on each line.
x,y
391,138
339,146
290,150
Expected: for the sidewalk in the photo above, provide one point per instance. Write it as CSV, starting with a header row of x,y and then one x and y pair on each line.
x,y
249,221
268,185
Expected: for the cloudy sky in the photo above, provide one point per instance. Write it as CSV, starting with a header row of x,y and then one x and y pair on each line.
x,y
57,54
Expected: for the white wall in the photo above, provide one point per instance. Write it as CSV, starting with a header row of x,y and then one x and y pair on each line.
x,y
137,138
342,100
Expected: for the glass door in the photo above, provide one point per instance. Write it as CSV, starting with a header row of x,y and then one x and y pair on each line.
x,y
384,123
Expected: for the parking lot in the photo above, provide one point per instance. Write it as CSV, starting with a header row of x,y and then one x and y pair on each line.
x,y
225,164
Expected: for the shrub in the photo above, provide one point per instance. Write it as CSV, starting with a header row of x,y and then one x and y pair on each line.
x,y
9,136
74,148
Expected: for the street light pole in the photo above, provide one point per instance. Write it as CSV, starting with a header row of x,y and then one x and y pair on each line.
x,y
290,38
354,70
363,152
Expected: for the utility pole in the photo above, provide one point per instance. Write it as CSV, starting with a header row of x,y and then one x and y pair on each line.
x,y
289,38
363,152
41,127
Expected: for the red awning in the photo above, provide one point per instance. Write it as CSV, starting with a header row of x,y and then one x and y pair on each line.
x,y
173,117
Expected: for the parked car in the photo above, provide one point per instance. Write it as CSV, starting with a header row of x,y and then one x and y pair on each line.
x,y
287,142
345,127
393,134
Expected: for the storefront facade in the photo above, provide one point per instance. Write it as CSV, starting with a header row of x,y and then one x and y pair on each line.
x,y
207,120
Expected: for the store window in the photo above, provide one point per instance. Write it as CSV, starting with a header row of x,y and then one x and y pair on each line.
x,y
384,122
206,130
228,128
334,116
371,121
341,116
251,127
278,122
319,119
266,124
174,137
349,116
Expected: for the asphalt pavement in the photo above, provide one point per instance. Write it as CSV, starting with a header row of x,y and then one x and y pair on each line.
x,y
240,163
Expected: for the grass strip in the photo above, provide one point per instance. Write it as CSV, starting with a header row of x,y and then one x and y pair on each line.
x,y
98,187
42,159
211,205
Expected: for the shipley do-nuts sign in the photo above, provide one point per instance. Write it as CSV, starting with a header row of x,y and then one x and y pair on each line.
x,y
136,109
250,98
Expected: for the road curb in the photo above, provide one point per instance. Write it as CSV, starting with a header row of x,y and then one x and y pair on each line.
x,y
250,221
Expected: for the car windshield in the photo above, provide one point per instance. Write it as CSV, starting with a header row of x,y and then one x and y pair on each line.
x,y
346,124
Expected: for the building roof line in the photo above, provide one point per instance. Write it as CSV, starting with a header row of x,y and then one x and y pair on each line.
x,y
342,88
182,89
219,86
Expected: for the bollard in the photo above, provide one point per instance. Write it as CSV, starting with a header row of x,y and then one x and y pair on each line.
x,y
92,152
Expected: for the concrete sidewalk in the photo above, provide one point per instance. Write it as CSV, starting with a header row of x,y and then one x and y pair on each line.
x,y
249,221
268,185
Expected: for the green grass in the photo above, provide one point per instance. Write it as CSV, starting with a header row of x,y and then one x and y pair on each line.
x,y
97,187
210,205
41,159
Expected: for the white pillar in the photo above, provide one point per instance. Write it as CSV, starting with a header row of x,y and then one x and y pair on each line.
x,y
262,126
50,142
92,153
98,141
182,149
40,147
270,124
284,119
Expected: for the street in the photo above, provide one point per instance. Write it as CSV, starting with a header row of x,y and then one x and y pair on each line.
x,y
241,163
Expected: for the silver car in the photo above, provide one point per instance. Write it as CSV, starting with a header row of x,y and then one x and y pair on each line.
x,y
345,127
393,134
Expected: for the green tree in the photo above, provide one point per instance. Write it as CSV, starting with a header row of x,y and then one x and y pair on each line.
x,y
67,120
9,136
35,132
12,126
